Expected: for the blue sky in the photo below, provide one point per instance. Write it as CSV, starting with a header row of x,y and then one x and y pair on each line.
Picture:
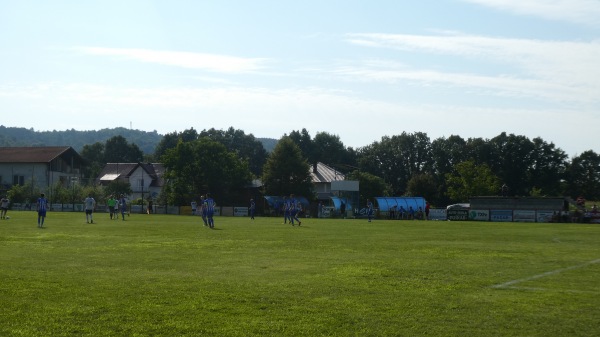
x,y
357,69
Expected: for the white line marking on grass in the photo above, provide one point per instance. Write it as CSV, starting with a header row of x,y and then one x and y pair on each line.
x,y
556,290
510,284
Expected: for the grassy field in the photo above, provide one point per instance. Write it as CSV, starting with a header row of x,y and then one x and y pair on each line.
x,y
161,275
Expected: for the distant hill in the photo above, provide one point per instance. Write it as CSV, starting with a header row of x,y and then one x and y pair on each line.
x,y
146,141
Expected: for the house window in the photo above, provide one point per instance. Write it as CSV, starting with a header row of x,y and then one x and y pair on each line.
x,y
18,180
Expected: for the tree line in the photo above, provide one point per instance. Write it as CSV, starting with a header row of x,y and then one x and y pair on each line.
x,y
444,170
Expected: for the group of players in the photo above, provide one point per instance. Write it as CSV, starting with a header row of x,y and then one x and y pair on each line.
x,y
291,209
207,209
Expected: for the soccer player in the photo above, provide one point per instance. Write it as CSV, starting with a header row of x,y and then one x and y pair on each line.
x,y
90,205
297,211
4,202
286,210
369,210
42,206
252,209
203,210
210,204
293,210
123,205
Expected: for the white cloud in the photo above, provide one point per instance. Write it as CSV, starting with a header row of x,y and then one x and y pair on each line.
x,y
556,70
576,11
210,62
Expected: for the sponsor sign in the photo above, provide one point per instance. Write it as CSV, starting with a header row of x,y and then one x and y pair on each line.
x,y
501,215
458,214
437,214
479,215
523,216
544,216
240,211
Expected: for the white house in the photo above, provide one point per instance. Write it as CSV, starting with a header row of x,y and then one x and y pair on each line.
x,y
146,180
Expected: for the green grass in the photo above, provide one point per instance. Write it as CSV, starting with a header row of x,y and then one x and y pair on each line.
x,y
161,275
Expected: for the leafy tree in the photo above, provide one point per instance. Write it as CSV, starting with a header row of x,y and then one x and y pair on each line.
x,y
61,193
511,160
93,156
29,192
118,150
202,166
422,185
169,141
479,150
445,154
548,168
583,176
304,141
471,180
371,186
245,146
118,187
397,159
287,171
328,148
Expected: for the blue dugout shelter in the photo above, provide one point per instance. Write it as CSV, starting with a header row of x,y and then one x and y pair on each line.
x,y
386,203
337,203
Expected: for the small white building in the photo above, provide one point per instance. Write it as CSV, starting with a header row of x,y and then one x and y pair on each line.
x,y
146,180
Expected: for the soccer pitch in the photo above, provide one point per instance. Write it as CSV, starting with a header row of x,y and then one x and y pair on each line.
x,y
165,275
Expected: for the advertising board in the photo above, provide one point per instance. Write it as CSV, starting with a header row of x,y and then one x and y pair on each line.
x,y
479,214
437,214
501,215
520,215
458,214
544,216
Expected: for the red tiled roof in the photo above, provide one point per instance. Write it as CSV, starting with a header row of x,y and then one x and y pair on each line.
x,y
39,154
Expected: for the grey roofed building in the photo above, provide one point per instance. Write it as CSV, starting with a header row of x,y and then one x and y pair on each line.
x,y
322,175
